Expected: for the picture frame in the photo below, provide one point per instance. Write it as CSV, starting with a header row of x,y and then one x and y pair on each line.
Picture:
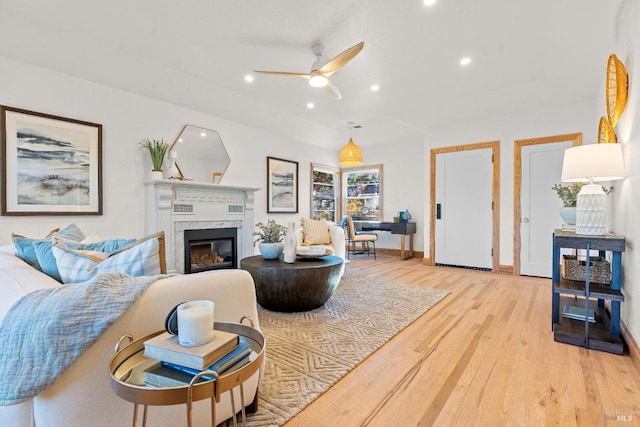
x,y
282,186
51,165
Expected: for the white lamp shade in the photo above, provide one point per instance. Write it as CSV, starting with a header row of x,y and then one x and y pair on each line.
x,y
593,162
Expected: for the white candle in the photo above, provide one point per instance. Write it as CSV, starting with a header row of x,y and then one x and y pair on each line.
x,y
195,323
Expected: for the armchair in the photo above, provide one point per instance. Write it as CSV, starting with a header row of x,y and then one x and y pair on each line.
x,y
355,238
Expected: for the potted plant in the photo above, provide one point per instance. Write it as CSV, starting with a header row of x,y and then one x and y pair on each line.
x,y
270,237
157,150
569,196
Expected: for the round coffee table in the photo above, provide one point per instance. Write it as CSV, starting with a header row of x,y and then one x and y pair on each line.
x,y
302,286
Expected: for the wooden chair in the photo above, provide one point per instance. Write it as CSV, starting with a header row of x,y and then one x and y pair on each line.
x,y
358,243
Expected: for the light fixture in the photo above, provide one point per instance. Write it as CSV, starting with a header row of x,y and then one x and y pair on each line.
x,y
375,88
350,154
588,164
310,105
248,78
465,61
428,2
318,80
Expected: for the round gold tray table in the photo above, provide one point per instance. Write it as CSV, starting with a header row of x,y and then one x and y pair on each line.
x,y
127,366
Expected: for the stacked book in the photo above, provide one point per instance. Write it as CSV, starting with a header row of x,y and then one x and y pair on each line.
x,y
178,364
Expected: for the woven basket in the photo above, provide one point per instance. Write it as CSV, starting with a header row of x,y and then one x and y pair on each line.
x,y
575,269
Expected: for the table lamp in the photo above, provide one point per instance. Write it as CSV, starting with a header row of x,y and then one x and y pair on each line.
x,y
588,164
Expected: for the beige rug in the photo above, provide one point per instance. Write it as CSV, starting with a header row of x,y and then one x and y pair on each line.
x,y
308,352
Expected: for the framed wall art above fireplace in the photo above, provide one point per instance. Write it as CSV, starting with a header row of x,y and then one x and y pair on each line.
x,y
51,165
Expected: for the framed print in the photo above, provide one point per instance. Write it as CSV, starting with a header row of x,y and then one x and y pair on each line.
x,y
51,165
282,186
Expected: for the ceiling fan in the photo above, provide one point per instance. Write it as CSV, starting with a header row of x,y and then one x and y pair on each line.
x,y
319,75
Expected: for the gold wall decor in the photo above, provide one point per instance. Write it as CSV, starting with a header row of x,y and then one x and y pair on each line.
x,y
605,131
616,89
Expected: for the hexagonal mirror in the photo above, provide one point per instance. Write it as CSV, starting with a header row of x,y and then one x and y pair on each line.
x,y
200,155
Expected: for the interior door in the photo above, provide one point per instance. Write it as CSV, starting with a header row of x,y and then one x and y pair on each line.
x,y
541,169
464,212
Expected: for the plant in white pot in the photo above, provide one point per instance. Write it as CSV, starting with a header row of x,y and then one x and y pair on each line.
x,y
157,149
569,196
270,236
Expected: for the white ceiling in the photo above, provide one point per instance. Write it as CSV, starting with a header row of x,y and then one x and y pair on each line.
x,y
527,56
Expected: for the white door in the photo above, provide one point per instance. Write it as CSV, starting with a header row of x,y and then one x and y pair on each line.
x,y
541,169
464,214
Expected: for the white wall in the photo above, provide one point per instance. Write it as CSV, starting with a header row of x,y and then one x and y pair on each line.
x,y
575,118
627,192
126,119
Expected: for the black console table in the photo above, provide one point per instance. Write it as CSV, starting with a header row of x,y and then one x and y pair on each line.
x,y
602,332
402,228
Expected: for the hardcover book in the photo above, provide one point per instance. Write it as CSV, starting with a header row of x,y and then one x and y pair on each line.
x,y
165,347
221,366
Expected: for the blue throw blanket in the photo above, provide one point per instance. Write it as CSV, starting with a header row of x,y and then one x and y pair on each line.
x,y
45,331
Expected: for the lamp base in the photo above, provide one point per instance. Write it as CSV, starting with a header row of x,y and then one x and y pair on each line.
x,y
591,211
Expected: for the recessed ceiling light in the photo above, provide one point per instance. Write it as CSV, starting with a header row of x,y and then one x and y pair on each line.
x,y
310,105
465,61
248,78
375,88
428,2
203,134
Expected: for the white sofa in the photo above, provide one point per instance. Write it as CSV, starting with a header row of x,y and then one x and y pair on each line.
x,y
82,395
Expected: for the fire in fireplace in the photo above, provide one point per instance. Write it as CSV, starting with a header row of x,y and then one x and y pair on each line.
x,y
210,249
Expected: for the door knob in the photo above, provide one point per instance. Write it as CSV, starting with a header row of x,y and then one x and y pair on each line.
x,y
525,220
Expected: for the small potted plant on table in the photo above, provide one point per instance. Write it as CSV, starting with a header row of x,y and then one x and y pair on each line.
x,y
270,237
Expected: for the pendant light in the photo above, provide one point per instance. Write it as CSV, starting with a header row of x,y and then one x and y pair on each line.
x,y
351,154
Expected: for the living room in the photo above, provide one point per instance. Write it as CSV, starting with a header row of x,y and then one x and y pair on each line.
x,y
129,115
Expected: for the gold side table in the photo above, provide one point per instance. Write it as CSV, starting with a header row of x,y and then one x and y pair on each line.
x,y
127,366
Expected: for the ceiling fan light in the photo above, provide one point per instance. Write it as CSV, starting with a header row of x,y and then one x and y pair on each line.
x,y
318,80
350,154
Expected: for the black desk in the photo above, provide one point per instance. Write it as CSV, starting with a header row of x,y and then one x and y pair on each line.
x,y
402,228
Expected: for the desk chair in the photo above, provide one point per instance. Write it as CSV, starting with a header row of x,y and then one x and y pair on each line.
x,y
353,238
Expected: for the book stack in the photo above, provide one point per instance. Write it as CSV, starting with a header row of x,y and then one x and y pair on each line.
x,y
178,365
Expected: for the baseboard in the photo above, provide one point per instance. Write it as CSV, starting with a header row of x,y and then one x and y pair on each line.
x,y
632,345
426,261
505,269
396,252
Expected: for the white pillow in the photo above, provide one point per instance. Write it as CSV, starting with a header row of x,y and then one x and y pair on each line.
x,y
144,257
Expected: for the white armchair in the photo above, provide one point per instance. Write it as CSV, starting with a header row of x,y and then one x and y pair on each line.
x,y
337,244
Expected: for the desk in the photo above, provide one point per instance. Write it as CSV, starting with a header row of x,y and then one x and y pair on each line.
x,y
402,228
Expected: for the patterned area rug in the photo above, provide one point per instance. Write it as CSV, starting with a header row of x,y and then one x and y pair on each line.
x,y
308,352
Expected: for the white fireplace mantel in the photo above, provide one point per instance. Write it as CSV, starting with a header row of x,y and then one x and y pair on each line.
x,y
174,206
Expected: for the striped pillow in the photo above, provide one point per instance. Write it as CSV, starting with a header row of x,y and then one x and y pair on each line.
x,y
315,232
144,257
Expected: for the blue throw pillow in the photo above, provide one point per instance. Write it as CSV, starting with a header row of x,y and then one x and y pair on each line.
x,y
24,247
47,260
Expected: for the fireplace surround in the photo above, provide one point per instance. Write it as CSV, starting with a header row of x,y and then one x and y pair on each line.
x,y
210,249
175,206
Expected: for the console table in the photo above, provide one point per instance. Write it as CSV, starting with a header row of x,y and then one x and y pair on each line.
x,y
603,332
404,229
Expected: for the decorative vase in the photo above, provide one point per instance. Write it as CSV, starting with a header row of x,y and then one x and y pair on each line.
x,y
568,215
157,174
407,215
271,250
290,244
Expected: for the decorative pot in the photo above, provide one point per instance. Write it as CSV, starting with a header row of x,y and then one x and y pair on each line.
x,y
157,174
271,250
568,215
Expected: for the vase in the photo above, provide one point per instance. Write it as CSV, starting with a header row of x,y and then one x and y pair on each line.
x,y
290,244
271,250
568,215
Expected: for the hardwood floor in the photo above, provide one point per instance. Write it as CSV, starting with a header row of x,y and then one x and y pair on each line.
x,y
484,356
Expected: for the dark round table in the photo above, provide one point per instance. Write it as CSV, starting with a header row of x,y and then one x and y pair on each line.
x,y
302,286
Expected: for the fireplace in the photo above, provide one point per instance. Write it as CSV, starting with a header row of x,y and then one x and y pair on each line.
x,y
210,249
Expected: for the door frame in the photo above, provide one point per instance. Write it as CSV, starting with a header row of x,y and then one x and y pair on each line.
x,y
517,184
495,192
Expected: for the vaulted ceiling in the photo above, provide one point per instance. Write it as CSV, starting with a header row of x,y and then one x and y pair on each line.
x,y
526,56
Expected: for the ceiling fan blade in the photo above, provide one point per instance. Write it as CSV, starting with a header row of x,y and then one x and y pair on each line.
x,y
333,90
284,73
342,58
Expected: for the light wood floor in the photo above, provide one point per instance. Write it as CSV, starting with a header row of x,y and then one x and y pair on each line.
x,y
484,356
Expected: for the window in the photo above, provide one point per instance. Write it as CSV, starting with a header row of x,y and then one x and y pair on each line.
x,y
362,187
324,192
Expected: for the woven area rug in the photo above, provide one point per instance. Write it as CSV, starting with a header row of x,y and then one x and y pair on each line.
x,y
310,351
